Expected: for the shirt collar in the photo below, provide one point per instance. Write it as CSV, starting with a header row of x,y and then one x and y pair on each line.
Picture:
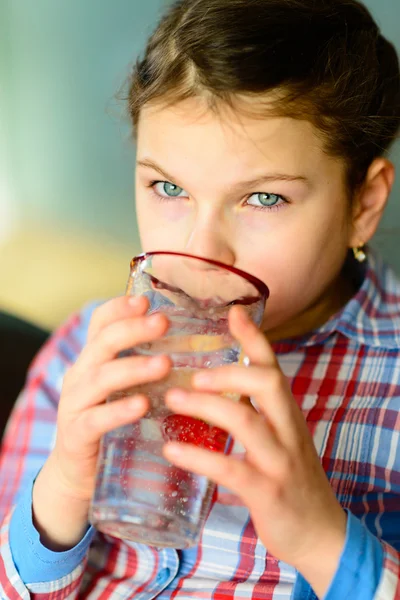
x,y
371,317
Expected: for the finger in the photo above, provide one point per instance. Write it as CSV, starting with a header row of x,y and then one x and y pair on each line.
x,y
237,475
119,375
97,421
254,343
244,424
266,385
120,336
123,307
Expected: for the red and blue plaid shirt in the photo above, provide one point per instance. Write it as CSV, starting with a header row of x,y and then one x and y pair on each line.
x,y
346,378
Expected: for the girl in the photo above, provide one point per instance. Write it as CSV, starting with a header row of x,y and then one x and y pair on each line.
x,y
262,128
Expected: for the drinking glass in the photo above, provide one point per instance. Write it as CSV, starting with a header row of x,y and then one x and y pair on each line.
x,y
139,495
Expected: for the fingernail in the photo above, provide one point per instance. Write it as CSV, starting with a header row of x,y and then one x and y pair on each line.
x,y
202,379
174,449
136,402
154,321
134,300
243,316
178,396
157,361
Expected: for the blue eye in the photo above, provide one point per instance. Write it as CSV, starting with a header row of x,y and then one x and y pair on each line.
x,y
265,200
165,189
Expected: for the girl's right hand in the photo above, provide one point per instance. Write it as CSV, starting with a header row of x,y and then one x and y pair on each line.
x,y
84,416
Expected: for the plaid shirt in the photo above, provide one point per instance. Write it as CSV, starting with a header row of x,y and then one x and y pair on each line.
x,y
346,378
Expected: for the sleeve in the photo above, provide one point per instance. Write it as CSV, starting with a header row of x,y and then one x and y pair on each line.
x,y
389,585
39,564
28,440
368,569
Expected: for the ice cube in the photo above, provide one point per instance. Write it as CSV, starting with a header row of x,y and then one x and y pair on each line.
x,y
150,430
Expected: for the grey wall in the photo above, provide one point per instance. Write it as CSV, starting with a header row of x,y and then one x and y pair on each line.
x,y
387,13
68,151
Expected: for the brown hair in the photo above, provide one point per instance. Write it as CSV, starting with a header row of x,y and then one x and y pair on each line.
x,y
327,59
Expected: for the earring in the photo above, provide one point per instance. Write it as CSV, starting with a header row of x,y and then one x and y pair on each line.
x,y
359,253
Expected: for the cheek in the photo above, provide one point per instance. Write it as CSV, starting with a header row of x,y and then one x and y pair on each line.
x,y
162,225
296,258
298,234
169,212
298,261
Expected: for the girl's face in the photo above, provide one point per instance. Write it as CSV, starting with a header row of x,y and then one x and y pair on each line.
x,y
258,194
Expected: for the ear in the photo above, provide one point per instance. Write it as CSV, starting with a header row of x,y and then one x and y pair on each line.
x,y
371,201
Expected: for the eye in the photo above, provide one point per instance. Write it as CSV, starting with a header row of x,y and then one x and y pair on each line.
x,y
263,200
166,189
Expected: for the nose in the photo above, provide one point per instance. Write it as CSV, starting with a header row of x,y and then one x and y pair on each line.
x,y
210,240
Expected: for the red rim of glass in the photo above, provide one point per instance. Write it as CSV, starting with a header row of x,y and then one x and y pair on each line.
x,y
260,286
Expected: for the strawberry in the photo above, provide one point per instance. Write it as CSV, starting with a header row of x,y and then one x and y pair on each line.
x,y
187,430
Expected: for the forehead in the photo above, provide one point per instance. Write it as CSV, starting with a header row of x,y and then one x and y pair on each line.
x,y
189,133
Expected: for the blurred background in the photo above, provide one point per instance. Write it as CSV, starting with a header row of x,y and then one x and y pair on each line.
x,y
67,224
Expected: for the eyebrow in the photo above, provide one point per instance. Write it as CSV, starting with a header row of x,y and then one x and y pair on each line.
x,y
149,164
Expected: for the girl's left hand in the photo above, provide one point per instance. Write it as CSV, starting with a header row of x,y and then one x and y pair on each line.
x,y
294,510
